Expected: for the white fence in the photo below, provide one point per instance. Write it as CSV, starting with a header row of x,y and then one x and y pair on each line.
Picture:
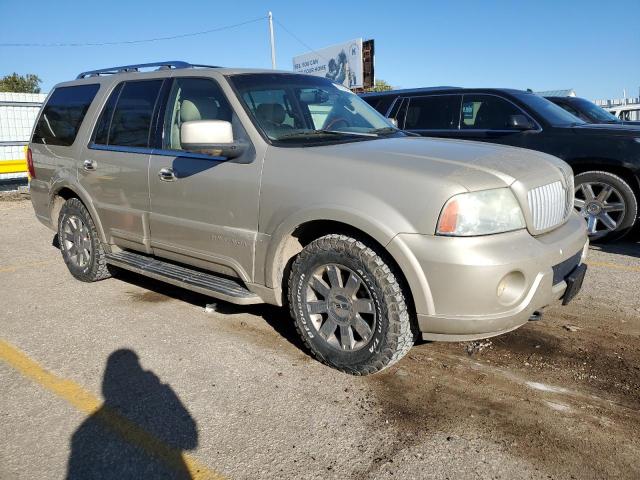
x,y
18,113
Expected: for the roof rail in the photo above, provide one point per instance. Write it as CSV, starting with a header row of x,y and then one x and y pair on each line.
x,y
135,68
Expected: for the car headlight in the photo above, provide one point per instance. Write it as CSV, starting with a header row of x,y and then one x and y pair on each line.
x,y
480,213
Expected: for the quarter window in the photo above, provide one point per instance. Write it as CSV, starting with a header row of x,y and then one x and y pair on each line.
x,y
439,112
63,115
128,124
487,112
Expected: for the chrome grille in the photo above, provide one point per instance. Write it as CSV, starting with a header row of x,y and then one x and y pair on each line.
x,y
549,205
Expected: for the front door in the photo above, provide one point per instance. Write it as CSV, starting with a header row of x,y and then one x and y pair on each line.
x,y
204,209
487,118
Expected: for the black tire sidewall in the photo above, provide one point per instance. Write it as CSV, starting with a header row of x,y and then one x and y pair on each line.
x,y
74,207
329,354
625,190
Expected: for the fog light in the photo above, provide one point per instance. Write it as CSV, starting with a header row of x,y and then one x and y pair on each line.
x,y
510,288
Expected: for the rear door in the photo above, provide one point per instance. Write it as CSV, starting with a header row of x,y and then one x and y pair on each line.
x,y
116,162
432,115
204,209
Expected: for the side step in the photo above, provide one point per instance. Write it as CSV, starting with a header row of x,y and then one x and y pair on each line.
x,y
214,286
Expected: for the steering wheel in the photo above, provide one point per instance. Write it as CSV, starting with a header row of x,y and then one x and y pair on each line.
x,y
336,120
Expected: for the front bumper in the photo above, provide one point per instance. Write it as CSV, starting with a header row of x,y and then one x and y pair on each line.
x,y
478,287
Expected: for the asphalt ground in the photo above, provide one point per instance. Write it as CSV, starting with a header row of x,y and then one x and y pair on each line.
x,y
131,378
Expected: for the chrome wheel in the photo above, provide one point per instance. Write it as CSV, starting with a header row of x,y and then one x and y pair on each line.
x,y
76,241
602,205
341,307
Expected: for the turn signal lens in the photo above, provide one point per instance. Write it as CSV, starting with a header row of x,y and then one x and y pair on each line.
x,y
449,218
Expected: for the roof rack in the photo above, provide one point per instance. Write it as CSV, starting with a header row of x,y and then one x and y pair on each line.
x,y
168,65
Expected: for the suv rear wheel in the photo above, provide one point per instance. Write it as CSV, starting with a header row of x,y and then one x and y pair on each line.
x,y
608,204
348,306
79,243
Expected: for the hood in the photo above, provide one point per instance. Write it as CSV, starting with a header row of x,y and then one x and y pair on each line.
x,y
473,165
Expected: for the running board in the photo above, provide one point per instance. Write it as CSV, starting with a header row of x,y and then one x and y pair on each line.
x,y
214,286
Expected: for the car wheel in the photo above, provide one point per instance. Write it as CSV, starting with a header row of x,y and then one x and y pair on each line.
x,y
80,245
607,203
348,306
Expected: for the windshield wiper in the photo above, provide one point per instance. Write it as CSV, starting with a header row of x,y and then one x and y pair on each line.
x,y
384,130
308,133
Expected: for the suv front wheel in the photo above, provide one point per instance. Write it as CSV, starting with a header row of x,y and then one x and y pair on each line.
x,y
608,204
348,306
80,245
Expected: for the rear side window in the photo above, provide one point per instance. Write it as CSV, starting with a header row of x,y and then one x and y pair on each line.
x,y
63,114
439,112
126,118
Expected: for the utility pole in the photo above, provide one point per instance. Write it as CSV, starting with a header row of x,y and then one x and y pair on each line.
x,y
273,45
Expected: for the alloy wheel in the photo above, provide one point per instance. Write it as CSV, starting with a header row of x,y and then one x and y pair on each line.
x,y
76,241
341,307
602,205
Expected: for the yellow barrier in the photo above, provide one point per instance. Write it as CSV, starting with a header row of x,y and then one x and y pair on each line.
x,y
13,166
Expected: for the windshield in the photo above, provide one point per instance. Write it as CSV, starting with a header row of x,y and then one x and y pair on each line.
x,y
294,109
593,111
552,113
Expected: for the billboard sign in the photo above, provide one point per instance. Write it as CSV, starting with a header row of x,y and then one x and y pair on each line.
x,y
340,63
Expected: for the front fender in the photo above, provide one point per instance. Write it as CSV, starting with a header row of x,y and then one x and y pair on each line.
x,y
279,244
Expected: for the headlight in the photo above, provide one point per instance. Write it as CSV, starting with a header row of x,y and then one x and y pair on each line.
x,y
480,213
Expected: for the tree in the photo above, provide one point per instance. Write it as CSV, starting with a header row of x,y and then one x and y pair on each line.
x,y
28,83
380,86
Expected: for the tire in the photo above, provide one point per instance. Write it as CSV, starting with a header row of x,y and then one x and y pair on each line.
x,y
608,203
80,245
336,285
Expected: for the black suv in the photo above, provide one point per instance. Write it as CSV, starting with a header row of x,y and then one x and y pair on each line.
x,y
605,158
588,111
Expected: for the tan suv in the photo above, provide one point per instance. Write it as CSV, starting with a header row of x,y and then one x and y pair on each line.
x,y
262,186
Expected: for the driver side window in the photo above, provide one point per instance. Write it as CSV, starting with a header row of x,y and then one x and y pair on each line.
x,y
192,99
487,112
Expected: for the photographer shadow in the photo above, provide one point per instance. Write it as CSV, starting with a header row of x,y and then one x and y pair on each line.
x,y
140,431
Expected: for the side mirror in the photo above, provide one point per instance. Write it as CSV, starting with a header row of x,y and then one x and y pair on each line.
x,y
521,122
211,137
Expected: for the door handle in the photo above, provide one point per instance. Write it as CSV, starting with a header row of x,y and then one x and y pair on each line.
x,y
89,165
167,175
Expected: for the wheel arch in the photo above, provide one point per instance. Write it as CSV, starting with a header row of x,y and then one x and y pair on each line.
x,y
62,192
594,164
289,244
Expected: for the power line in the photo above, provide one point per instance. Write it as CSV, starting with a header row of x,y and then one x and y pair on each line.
x,y
129,42
298,39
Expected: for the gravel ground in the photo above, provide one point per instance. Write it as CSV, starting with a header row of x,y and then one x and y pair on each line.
x,y
235,391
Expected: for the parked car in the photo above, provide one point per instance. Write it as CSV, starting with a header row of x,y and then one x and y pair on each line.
x,y
588,111
259,186
604,158
629,113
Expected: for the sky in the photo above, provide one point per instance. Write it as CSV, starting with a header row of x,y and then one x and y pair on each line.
x,y
590,46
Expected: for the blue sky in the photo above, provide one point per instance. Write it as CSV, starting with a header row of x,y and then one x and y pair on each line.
x,y
591,46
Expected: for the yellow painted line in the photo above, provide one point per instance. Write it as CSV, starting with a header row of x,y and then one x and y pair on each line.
x,y
20,266
614,266
13,166
87,403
